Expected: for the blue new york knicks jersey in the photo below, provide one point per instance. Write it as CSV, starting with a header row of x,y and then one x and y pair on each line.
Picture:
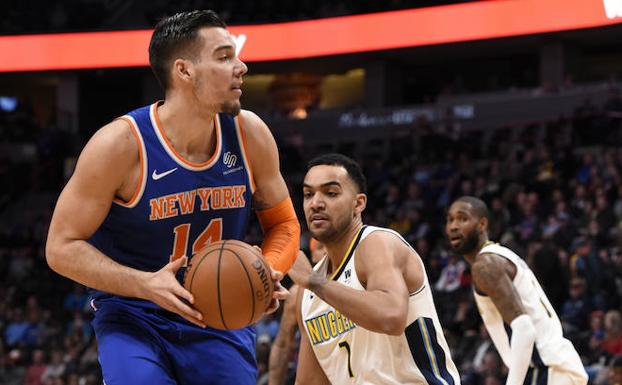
x,y
177,208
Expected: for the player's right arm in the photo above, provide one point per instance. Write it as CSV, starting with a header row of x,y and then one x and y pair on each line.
x,y
381,263
309,371
106,168
492,275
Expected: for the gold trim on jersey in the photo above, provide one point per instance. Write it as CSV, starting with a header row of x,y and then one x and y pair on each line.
x,y
487,243
430,351
348,254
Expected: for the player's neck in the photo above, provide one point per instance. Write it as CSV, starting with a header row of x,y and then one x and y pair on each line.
x,y
470,257
338,249
190,130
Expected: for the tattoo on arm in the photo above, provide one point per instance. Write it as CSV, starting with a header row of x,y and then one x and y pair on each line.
x,y
317,281
491,277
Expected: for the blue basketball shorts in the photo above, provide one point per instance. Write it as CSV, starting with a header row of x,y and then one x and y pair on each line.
x,y
148,345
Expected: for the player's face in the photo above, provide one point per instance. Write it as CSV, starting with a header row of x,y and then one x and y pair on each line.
x,y
331,202
462,228
218,71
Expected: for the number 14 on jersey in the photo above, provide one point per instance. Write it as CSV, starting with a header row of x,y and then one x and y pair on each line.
x,y
211,233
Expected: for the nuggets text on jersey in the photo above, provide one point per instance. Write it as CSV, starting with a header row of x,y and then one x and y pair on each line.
x,y
328,326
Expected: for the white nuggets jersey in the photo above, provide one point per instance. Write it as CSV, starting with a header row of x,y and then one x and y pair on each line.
x,y
551,349
349,354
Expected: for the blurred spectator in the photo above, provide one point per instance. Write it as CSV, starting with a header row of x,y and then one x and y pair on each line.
x,y
576,309
499,218
80,326
604,216
487,370
451,275
268,326
89,358
447,291
548,269
17,328
77,299
587,264
12,368
34,374
470,352
263,354
591,342
615,371
56,367
612,342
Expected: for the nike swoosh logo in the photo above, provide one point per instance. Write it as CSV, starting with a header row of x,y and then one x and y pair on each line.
x,y
157,176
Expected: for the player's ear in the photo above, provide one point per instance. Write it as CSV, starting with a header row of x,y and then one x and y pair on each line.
x,y
483,224
360,202
183,69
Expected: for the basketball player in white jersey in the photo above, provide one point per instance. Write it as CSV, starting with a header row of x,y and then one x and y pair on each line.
x,y
365,311
507,293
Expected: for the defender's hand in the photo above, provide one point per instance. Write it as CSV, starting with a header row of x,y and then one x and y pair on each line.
x,y
301,270
280,293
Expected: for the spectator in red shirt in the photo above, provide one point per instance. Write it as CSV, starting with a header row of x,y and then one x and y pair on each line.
x,y
612,343
35,371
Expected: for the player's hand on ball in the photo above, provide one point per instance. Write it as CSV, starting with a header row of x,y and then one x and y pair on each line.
x,y
162,288
280,293
301,270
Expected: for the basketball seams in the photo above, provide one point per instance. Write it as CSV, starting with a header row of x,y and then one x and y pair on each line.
x,y
250,282
194,271
259,256
246,256
222,316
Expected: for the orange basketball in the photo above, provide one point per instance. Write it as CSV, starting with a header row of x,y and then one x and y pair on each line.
x,y
231,284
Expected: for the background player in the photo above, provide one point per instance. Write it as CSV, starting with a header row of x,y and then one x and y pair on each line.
x,y
507,293
366,309
283,344
154,187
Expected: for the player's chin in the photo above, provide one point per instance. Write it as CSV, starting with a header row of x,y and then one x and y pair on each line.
x,y
232,107
320,233
458,247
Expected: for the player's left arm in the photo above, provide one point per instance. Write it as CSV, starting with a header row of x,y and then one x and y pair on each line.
x,y
491,276
284,341
383,306
271,198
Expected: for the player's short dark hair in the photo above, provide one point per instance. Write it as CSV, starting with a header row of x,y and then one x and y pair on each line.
x,y
176,36
351,166
616,361
478,206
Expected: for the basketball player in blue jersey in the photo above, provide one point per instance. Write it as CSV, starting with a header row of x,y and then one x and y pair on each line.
x,y
516,312
365,311
156,185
